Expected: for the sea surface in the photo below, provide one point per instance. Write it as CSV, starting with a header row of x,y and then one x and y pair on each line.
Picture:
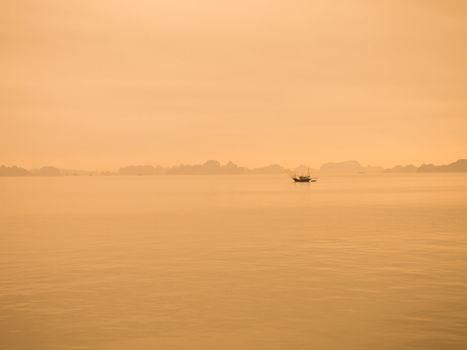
x,y
234,262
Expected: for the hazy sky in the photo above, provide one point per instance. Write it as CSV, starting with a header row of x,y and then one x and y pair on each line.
x,y
96,84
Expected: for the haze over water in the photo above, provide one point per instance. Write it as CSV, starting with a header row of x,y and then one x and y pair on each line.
x,y
233,262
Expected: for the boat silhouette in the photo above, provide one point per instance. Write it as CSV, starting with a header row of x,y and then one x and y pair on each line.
x,y
304,178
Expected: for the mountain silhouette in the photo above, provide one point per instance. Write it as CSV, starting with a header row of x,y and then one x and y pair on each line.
x,y
13,171
350,166
459,166
214,167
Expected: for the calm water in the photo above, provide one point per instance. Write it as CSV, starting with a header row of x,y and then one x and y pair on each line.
x,y
233,262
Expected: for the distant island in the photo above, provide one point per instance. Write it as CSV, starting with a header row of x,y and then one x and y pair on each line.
x,y
211,167
350,166
214,167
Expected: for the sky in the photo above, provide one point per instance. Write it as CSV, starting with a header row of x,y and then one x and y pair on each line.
x,y
96,84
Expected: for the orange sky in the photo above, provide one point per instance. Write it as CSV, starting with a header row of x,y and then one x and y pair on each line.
x,y
95,84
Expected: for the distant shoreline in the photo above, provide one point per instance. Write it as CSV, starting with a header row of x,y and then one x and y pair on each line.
x,y
213,167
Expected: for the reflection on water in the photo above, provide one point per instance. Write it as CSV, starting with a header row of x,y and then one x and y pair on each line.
x,y
233,262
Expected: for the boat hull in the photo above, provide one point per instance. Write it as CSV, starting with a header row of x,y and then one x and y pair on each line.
x,y
303,180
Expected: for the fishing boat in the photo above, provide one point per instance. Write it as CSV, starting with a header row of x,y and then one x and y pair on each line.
x,y
304,178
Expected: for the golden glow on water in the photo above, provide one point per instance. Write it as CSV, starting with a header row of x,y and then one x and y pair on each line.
x,y
233,262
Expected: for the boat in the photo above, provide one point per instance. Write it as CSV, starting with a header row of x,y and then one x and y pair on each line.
x,y
304,178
